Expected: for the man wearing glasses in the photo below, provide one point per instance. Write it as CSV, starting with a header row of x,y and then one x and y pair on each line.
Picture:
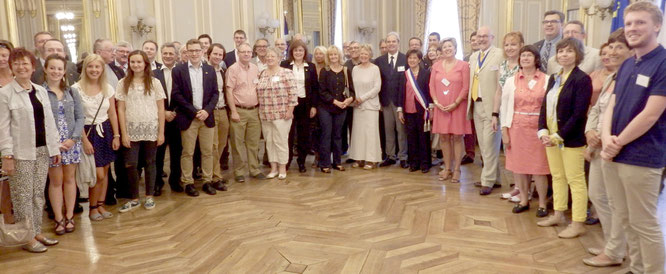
x,y
552,29
194,96
242,101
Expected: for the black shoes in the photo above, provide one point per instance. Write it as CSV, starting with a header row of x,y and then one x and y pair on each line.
x,y
425,169
478,184
219,185
387,162
176,188
466,160
413,168
260,176
191,191
542,212
404,164
158,191
518,208
301,168
208,189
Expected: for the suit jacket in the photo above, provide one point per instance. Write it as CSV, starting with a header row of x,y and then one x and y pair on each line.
x,y
159,75
181,95
488,79
390,77
38,76
158,65
572,105
311,83
423,82
230,58
120,73
539,44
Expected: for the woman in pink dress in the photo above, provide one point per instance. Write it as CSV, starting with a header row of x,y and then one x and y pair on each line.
x,y
449,85
522,96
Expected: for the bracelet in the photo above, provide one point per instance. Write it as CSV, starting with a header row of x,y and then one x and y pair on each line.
x,y
495,114
116,136
8,157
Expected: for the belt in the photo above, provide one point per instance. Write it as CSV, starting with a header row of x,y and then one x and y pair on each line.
x,y
527,113
218,108
247,108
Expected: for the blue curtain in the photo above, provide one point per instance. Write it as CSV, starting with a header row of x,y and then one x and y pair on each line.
x,y
618,14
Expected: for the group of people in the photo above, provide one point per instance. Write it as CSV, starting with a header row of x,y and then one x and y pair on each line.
x,y
552,106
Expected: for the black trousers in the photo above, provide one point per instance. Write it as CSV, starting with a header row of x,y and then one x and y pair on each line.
x,y
173,141
331,126
131,156
300,132
347,128
418,142
118,186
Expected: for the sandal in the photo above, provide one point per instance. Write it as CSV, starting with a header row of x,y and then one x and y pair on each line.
x,y
456,176
445,175
67,222
326,170
95,216
58,224
355,165
368,166
339,168
105,214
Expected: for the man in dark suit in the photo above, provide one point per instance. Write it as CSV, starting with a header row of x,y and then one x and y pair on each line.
x,y
552,29
150,48
171,130
239,38
54,46
194,96
392,66
119,72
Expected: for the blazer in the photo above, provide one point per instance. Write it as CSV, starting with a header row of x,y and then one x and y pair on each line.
x,y
572,105
71,73
181,95
311,83
230,58
159,75
539,44
488,79
422,81
390,78
120,73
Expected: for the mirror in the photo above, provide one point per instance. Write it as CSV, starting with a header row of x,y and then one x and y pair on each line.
x,y
305,17
65,19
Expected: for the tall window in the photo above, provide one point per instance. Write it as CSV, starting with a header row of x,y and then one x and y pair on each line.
x,y
443,18
338,24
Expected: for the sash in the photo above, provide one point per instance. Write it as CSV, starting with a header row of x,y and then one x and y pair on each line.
x,y
421,98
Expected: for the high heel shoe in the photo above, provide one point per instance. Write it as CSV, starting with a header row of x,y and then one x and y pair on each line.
x,y
70,221
456,176
445,175
59,224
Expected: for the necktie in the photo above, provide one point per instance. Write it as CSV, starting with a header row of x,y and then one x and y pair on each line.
x,y
475,82
546,56
391,63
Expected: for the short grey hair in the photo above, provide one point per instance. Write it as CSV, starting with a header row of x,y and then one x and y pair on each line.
x,y
393,33
275,50
98,44
124,44
450,40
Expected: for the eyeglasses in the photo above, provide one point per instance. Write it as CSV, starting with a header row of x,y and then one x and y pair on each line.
x,y
245,51
546,22
194,50
261,47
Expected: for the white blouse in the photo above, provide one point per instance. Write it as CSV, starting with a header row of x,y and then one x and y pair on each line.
x,y
141,110
91,103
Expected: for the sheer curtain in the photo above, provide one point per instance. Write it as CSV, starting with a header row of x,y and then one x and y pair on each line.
x,y
442,17
469,20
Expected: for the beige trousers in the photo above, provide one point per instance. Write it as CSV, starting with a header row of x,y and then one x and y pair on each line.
x,y
206,135
244,141
220,141
633,192
489,145
276,134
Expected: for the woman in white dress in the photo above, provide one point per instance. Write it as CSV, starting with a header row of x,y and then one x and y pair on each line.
x,y
365,145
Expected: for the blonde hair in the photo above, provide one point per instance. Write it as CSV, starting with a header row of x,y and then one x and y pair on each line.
x,y
368,48
333,49
324,51
648,7
85,80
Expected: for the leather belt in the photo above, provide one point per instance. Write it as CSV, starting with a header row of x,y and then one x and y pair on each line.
x,y
247,108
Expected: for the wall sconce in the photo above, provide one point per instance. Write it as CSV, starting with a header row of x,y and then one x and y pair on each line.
x,y
141,25
21,8
592,7
266,25
97,8
366,28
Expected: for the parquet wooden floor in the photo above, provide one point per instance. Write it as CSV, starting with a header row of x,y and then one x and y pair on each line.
x,y
357,221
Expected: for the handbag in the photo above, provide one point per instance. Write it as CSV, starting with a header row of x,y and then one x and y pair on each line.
x,y
14,234
86,173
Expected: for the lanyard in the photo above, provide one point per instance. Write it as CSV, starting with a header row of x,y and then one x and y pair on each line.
x,y
480,62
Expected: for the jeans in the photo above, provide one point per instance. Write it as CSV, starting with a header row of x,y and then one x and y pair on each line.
x,y
149,149
331,136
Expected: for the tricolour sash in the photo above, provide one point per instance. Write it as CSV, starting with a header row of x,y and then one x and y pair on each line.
x,y
421,98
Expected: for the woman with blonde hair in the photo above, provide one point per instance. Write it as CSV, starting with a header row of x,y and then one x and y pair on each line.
x,y
320,58
365,144
336,94
100,134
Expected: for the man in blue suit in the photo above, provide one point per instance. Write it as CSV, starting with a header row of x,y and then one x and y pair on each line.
x,y
392,66
194,96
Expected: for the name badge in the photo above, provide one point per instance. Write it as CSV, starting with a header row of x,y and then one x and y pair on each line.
x,y
494,68
445,82
401,68
642,80
275,79
255,81
446,92
531,84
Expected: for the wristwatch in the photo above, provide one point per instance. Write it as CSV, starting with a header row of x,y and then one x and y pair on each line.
x,y
9,157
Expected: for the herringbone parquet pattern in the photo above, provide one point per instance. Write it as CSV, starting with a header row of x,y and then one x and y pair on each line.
x,y
357,221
